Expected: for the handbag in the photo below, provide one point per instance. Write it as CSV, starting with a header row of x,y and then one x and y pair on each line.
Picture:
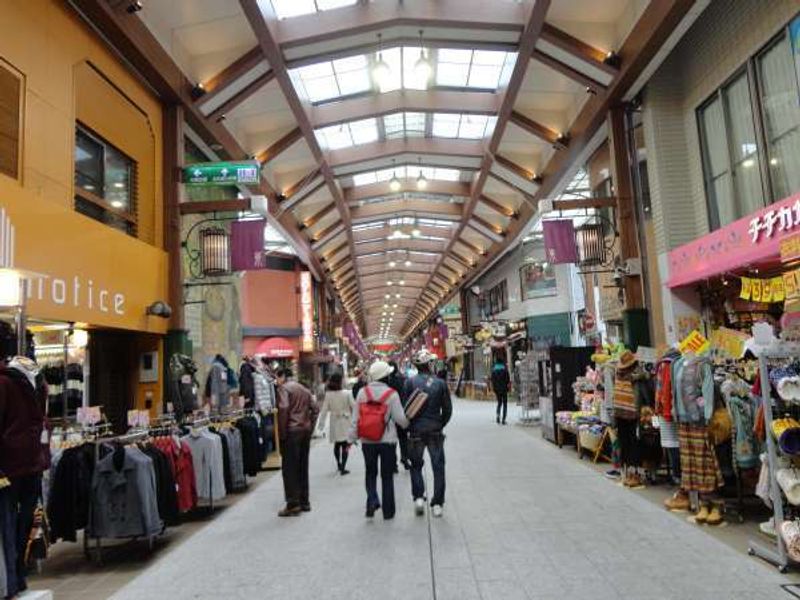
x,y
416,401
720,426
624,400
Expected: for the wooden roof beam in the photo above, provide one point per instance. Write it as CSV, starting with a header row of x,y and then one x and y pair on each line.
x,y
279,146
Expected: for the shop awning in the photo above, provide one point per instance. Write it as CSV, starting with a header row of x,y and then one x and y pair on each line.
x,y
276,347
752,241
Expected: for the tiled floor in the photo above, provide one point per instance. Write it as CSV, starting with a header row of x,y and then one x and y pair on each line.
x,y
522,520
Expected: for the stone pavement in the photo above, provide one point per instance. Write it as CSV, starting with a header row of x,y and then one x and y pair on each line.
x,y
523,520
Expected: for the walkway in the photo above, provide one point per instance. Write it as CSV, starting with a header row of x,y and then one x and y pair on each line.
x,y
523,520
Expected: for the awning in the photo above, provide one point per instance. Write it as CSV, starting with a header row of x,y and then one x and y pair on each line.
x,y
753,241
276,347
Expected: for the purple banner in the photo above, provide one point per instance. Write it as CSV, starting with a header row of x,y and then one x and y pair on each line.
x,y
559,241
247,245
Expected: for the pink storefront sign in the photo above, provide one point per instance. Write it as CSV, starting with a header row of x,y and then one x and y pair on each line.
x,y
750,241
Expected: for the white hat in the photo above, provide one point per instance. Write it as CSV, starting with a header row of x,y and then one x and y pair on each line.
x,y
423,357
380,369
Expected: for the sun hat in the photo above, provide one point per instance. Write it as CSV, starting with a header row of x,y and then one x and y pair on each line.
x,y
787,432
380,369
627,360
789,480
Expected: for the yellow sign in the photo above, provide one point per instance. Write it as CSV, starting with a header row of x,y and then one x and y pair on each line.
x,y
85,271
789,286
778,294
695,342
728,342
766,290
307,311
790,248
747,288
755,290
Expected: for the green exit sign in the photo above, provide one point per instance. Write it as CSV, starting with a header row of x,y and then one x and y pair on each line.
x,y
222,173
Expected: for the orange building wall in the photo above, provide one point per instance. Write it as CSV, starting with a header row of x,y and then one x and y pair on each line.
x,y
270,299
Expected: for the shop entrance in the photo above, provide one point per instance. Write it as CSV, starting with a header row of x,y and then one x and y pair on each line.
x,y
111,384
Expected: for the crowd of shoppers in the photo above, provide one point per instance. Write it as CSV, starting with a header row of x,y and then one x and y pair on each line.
x,y
383,410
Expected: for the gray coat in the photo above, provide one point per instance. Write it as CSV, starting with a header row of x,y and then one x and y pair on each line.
x,y
124,502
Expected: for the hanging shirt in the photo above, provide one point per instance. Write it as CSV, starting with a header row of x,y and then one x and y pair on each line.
x,y
694,390
208,464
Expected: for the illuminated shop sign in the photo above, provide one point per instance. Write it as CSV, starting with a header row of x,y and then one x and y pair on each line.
x,y
307,311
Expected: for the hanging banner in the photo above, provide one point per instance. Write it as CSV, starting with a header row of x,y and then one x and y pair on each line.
x,y
747,289
789,286
307,311
778,292
755,290
766,290
559,241
247,244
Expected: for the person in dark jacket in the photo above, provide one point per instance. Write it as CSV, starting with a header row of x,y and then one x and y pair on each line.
x,y
361,381
297,416
24,455
398,383
501,382
426,431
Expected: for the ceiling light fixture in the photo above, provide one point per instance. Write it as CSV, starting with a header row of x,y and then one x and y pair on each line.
x,y
381,72
422,181
394,183
392,264
423,68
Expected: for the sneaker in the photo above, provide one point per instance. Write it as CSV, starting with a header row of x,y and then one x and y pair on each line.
x,y
437,511
290,512
612,474
634,481
419,507
678,501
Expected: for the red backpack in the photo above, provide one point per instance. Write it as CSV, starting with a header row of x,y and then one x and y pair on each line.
x,y
372,416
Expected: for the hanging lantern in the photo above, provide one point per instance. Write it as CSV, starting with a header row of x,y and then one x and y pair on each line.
x,y
215,258
591,239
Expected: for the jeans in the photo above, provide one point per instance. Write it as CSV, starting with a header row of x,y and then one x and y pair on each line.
x,y
295,448
434,442
387,456
17,505
341,450
402,438
502,402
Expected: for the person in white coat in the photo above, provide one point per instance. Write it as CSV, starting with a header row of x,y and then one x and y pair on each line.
x,y
381,448
339,404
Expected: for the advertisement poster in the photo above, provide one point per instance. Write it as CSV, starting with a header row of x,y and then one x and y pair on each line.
x,y
794,38
537,279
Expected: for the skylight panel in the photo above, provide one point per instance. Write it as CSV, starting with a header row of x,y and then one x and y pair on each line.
x,y
285,9
364,131
293,8
345,135
352,75
406,171
472,126
411,80
363,179
408,124
446,174
446,125
484,76
394,81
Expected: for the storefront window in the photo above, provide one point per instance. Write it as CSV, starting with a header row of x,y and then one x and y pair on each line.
x,y
781,108
104,182
730,154
10,99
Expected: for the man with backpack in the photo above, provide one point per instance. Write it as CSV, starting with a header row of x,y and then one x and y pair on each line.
x,y
297,416
378,411
429,408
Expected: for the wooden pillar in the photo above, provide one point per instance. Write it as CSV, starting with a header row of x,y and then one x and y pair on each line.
x,y
636,327
173,153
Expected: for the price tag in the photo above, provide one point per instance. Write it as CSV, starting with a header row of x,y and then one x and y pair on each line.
x,y
695,342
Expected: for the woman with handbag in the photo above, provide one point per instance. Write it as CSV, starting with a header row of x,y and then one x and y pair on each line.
x,y
339,404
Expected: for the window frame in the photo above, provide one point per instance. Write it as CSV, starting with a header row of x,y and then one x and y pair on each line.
x,y
20,139
129,216
750,70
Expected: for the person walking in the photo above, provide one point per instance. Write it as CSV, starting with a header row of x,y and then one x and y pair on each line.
x,y
426,430
339,404
397,382
361,381
501,383
378,412
297,414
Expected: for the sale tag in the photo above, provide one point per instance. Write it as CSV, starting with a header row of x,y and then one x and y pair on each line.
x,y
746,288
778,293
695,342
729,343
755,290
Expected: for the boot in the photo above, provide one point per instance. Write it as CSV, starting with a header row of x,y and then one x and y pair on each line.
x,y
678,501
635,481
715,516
702,514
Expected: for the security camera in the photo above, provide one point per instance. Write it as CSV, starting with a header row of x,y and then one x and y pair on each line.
x,y
159,309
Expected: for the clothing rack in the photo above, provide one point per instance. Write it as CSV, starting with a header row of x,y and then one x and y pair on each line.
x,y
126,438
777,555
